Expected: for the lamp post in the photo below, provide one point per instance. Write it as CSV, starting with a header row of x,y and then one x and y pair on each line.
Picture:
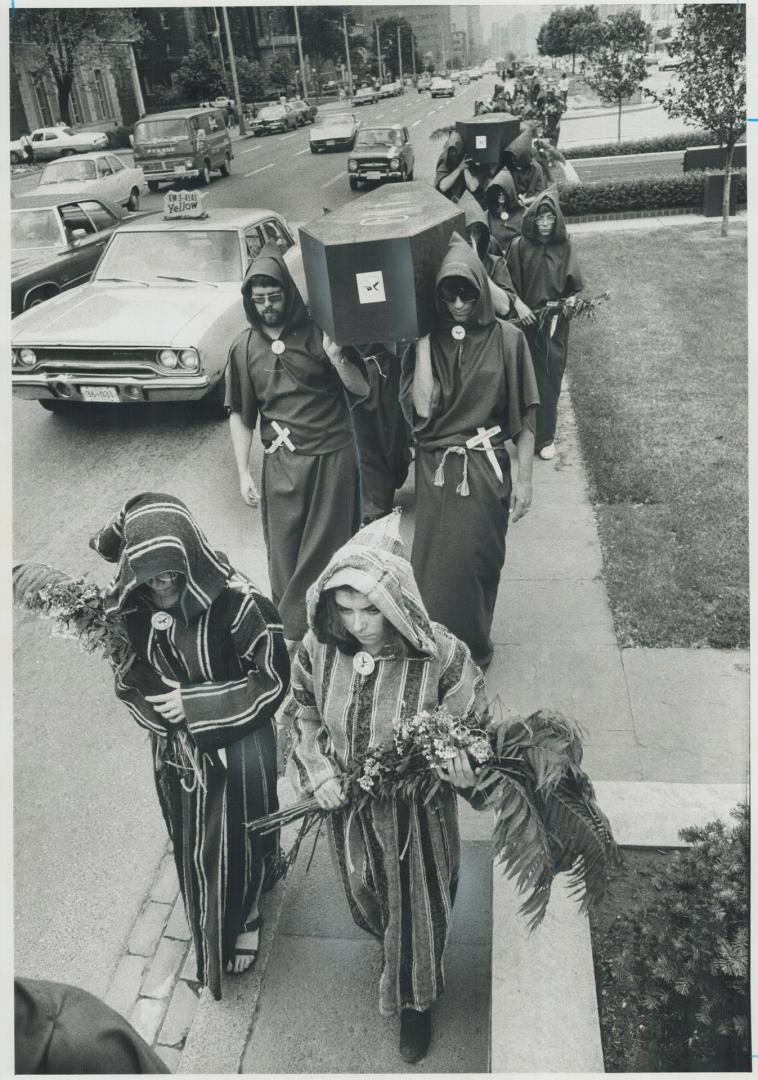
x,y
300,53
378,54
233,67
399,57
347,56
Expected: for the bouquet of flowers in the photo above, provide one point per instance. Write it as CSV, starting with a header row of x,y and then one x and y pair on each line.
x,y
529,773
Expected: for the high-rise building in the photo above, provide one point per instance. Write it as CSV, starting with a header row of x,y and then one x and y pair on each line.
x,y
430,23
467,18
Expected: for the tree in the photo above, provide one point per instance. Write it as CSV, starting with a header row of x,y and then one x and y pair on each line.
x,y
710,42
616,58
200,77
65,40
567,31
321,31
388,29
281,70
251,79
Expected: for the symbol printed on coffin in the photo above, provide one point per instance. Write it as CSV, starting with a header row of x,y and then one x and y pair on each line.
x,y
481,142
370,288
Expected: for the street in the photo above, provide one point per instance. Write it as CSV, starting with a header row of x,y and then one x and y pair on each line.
x,y
87,822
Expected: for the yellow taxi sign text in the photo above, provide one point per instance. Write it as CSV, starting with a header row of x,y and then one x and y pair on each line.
x,y
183,204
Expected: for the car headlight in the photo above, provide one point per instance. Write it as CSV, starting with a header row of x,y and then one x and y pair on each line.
x,y
27,357
189,359
394,163
189,163
167,358
352,165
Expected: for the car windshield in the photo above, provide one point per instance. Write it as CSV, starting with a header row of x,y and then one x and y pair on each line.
x,y
68,170
199,255
379,137
272,112
334,118
34,229
155,130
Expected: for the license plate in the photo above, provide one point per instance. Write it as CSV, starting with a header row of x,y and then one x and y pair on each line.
x,y
331,142
373,175
180,168
99,393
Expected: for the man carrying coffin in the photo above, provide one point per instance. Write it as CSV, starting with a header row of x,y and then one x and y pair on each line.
x,y
289,373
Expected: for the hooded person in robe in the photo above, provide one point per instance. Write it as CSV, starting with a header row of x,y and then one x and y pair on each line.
x,y
469,387
544,269
371,658
286,373
504,210
518,158
209,672
455,173
478,235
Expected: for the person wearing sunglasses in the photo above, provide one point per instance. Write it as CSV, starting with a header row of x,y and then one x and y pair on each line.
x,y
468,388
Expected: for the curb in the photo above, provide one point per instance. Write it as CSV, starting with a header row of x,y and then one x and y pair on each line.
x,y
603,112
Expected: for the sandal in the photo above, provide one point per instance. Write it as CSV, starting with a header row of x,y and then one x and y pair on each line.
x,y
249,928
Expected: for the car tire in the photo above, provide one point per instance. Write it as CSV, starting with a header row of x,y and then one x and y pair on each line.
x,y
15,158
353,180
34,299
68,152
152,185
226,165
314,149
410,175
133,200
205,174
403,173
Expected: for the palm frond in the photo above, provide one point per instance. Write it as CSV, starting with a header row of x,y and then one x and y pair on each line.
x,y
442,132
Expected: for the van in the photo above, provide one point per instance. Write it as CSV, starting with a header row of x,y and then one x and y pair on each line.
x,y
182,143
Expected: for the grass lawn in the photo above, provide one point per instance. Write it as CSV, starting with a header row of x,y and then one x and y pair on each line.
x,y
659,386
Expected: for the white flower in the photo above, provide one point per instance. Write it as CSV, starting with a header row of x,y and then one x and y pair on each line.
x,y
366,783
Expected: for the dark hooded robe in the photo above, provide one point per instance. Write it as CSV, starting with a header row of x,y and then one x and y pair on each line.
x,y
225,648
484,380
399,858
518,158
545,270
487,250
504,224
449,160
61,1029
310,494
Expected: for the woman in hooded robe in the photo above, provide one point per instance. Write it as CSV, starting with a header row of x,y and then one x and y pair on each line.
x,y
478,235
371,658
209,673
518,158
455,174
469,388
544,269
504,210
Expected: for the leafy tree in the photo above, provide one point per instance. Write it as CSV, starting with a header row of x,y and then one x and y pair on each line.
x,y
616,58
322,33
710,92
64,40
201,77
567,31
251,79
281,70
388,29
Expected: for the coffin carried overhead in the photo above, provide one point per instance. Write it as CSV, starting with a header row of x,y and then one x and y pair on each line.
x,y
485,137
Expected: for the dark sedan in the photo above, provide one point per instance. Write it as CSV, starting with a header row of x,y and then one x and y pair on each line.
x,y
56,243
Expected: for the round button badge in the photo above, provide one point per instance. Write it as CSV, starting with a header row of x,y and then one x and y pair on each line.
x,y
162,620
363,663
277,347
459,333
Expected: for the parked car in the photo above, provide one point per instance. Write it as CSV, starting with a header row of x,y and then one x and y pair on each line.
x,y
53,142
304,112
56,242
424,81
155,322
651,59
222,102
181,144
386,90
337,129
668,63
442,88
365,96
103,174
272,118
381,153
464,79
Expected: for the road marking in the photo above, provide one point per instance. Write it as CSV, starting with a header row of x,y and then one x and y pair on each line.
x,y
299,152
262,168
333,180
415,123
290,136
259,145
432,111
379,115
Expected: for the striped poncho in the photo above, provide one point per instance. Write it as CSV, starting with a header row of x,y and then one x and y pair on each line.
x,y
398,859
226,649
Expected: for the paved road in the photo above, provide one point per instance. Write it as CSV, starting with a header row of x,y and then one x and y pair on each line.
x,y
88,833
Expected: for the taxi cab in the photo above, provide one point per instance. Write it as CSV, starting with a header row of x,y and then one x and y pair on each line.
x,y
157,319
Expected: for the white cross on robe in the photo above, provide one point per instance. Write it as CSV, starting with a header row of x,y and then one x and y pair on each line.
x,y
483,438
282,438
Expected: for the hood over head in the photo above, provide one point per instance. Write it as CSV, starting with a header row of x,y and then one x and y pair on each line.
x,y
529,225
519,151
474,215
452,151
270,262
460,261
373,562
502,182
154,533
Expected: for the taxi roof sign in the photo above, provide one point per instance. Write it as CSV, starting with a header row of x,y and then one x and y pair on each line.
x,y
180,205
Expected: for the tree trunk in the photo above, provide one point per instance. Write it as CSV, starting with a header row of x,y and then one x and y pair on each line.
x,y
63,85
618,139
573,62
727,189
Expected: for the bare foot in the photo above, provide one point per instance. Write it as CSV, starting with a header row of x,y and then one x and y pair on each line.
x,y
247,940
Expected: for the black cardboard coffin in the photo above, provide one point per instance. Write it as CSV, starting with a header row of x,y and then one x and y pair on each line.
x,y
485,137
370,266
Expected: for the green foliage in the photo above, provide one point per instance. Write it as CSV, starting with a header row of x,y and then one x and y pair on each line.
x,y
650,193
388,28
654,144
118,138
281,70
567,31
251,79
616,57
321,31
200,77
679,958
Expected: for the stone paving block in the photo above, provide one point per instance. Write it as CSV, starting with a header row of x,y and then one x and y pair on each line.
x,y
166,886
124,989
536,556
179,1016
170,1057
147,930
189,967
146,1018
690,709
164,969
552,613
177,924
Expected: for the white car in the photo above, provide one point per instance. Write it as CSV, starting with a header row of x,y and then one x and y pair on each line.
x,y
101,174
54,142
666,62
442,88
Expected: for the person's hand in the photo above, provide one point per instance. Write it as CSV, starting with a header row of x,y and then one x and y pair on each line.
x,y
332,350
330,795
524,312
169,705
521,498
458,772
248,490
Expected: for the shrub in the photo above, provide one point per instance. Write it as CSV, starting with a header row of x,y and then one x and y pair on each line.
x,y
643,146
647,193
118,138
679,959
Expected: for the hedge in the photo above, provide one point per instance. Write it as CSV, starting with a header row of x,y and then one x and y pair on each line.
x,y
651,193
118,138
643,146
